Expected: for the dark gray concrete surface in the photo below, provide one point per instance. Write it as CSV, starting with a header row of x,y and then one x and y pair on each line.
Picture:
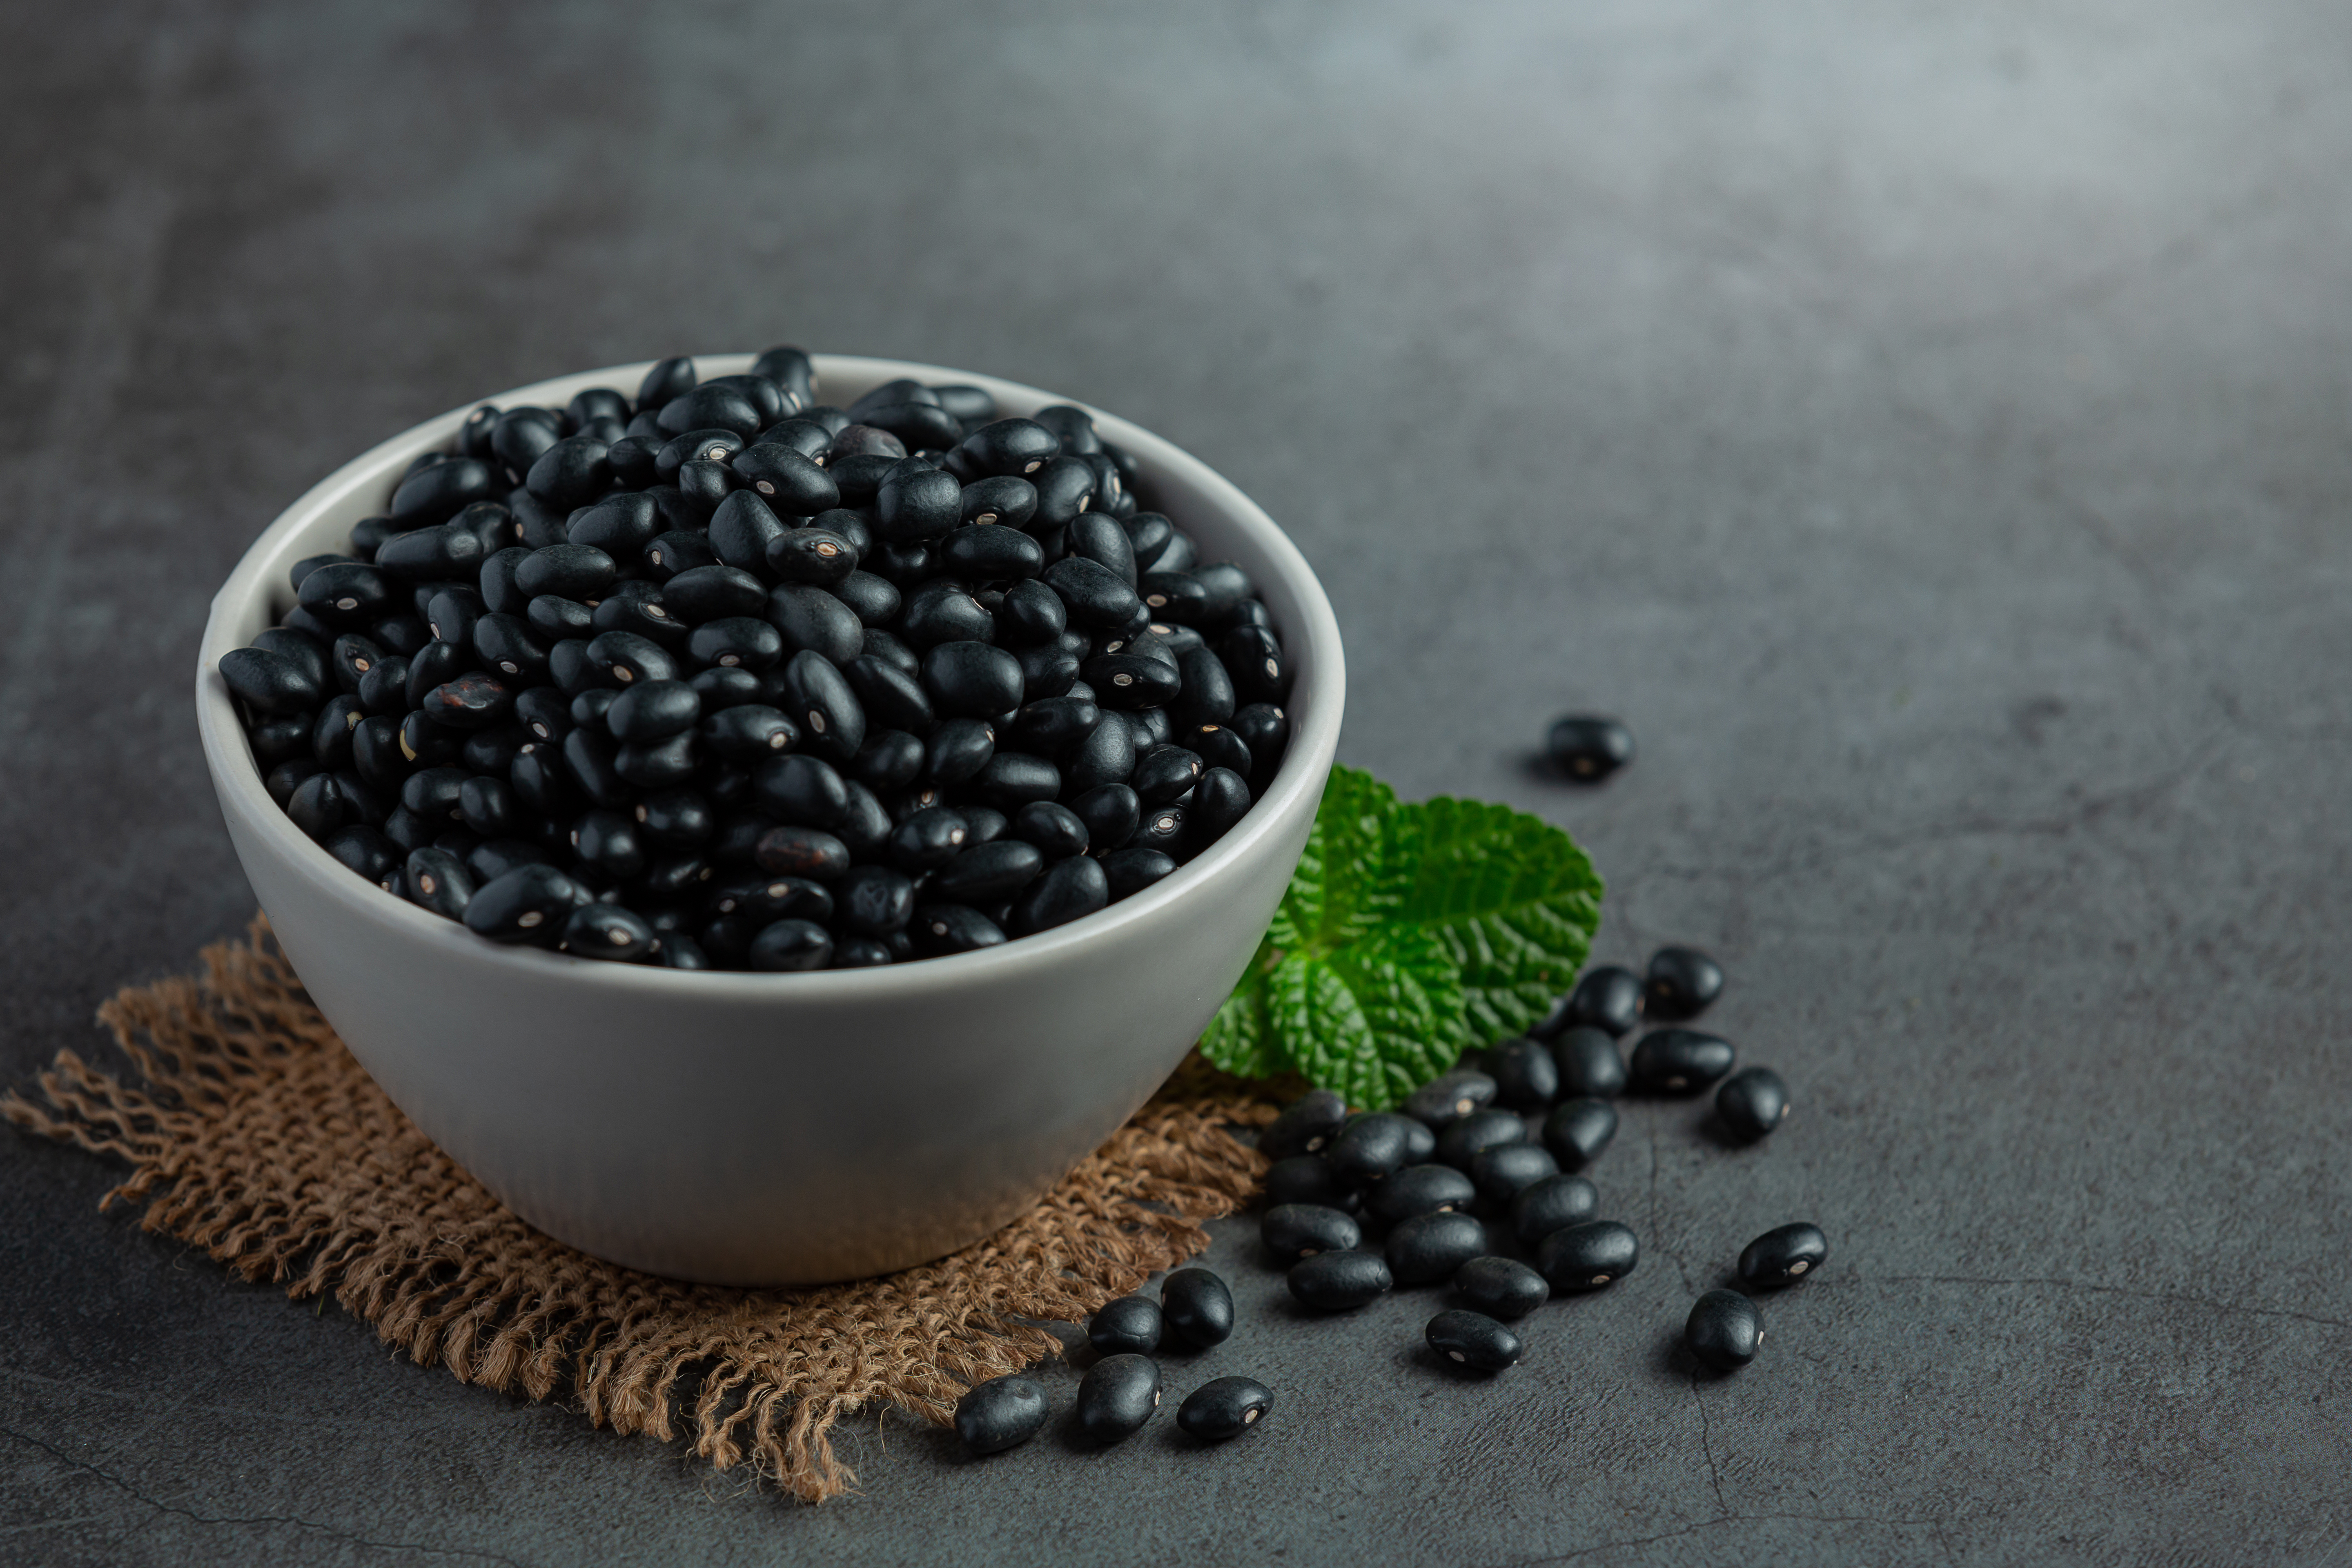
x,y
1929,426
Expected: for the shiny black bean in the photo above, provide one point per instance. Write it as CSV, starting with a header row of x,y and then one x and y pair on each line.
x,y
537,524
1265,729
1207,693
1678,1061
434,494
1293,1231
1002,1413
1683,983
1425,1248
607,842
592,758
489,806
1107,813
450,610
377,754
889,762
712,406
1254,659
817,556
920,426
271,683
874,901
1011,447
554,618
807,852
679,819
580,571
1055,829
1578,1130
788,946
1131,1325
789,480
621,526
1308,1179
1118,1396
1066,488
1149,532
434,794
528,904
1724,1330
1175,596
1340,1282
677,551
571,473
1106,756
888,695
330,735
1051,726
988,873
1608,998
653,710
987,552
1525,1074
474,434
1587,1256
610,932
944,612
1011,780
737,642
1070,890
1473,1340
1031,614
439,881
288,775
1440,1102
806,436
1092,594
1197,1307
1219,801
861,440
668,379
1370,1147
928,839
1784,1255
1073,427
1164,774
1552,1203
971,679
632,460
727,688
432,554
803,790
1464,1138
493,858
791,371
347,594
521,436
511,647
747,733
1414,1190
1220,748
914,502
999,500
1048,671
1588,748
1590,1066
816,696
1501,1286
859,478
316,806
1130,871
1306,1126
703,593
1505,1170
1130,681
476,701
938,930
812,620
1752,1102
368,851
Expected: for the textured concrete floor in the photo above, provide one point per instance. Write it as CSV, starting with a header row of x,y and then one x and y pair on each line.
x,y
1929,426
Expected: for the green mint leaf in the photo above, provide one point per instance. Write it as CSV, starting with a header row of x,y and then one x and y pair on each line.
x,y
1240,1039
1371,1020
1338,888
1513,899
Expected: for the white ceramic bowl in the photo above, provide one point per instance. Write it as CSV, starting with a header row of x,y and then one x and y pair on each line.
x,y
776,1129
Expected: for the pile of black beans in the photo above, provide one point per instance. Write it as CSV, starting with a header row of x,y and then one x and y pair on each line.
x,y
1499,1146
717,677
1504,1146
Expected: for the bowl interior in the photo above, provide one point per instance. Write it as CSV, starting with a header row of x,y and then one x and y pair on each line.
x,y
1223,522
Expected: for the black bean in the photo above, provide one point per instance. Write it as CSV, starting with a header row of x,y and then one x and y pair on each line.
x,y
1118,1396
1683,983
790,946
818,556
1308,1179
1678,1061
330,735
1011,780
742,530
1412,1190
971,679
1129,1325
1525,1074
1338,1282
1591,1066
1608,998
1031,614
874,901
1000,1413
807,852
1370,1147
988,873
1220,748
1552,1203
431,554
1164,774
439,881
1724,1330
488,805
368,851
316,806
610,932
710,406
1577,1132
1588,1257
1473,1340
1265,729
1306,1126
1225,1408
680,818
1198,1307
714,593
872,599
271,683
433,494
1588,748
889,761
791,369
289,776
1464,1138
529,903
347,594
928,839
1066,488
1440,1102
1150,532
938,930
861,440
1130,871
1106,756
989,553
914,502
653,711
1503,1171
434,794
1501,1286
1011,447
1056,830
748,732
511,649
1094,596
1293,1231
1053,726
519,435
1752,1102
1175,596
667,380
1424,1248
580,571
724,689
554,617
815,621
1784,1256
788,479
1253,657
815,693
1129,681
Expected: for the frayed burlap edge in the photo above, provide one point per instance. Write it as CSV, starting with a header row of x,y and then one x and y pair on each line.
x,y
256,1136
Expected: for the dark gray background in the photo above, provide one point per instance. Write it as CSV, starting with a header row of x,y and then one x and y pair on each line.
x,y
1931,426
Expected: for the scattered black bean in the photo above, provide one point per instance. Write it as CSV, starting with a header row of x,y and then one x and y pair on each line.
x,y
1525,1074
1305,1127
1784,1255
1416,1190
1370,1147
1724,1330
1473,1340
1225,1409
1608,998
1467,1137
1427,1247
1577,1132
1118,1396
1678,1061
1000,1413
1555,1203
1198,1307
1588,1257
1340,1282
1130,1324
1752,1102
1589,748
1501,1286
1505,1170
1308,1179
1682,982
1293,1231
1590,1064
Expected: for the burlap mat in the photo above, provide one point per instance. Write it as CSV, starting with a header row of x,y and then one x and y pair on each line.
x,y
257,1137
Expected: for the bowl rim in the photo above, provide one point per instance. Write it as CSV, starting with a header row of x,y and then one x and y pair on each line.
x,y
1306,764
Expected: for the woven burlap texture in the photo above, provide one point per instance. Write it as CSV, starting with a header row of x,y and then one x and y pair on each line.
x,y
253,1134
